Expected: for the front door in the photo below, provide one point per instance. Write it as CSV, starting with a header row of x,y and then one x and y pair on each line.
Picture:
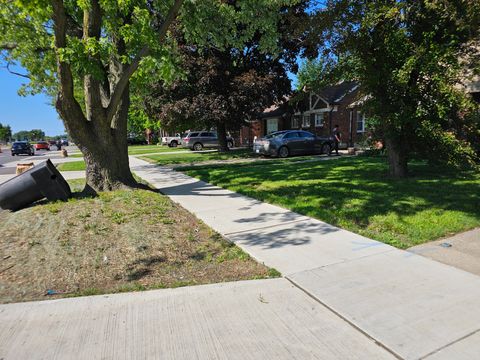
x,y
272,125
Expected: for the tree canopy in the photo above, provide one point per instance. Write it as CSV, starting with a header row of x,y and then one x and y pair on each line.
x,y
222,88
410,57
86,53
29,135
5,133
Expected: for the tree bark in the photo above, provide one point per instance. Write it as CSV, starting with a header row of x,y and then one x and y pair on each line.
x,y
100,133
397,157
105,150
222,137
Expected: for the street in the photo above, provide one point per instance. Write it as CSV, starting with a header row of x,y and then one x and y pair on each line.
x,y
6,157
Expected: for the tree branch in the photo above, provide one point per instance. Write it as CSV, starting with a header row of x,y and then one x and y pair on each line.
x,y
145,51
8,46
14,72
92,27
67,105
12,46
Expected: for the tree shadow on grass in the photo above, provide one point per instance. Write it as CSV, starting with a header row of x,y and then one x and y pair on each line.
x,y
142,267
352,190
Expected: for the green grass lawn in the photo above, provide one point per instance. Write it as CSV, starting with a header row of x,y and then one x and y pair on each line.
x,y
147,149
356,194
183,157
72,166
191,157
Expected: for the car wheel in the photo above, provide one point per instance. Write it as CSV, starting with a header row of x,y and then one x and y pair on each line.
x,y
13,154
174,144
283,152
197,147
230,144
326,149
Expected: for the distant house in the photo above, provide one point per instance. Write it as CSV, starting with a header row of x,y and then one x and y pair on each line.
x,y
275,118
317,111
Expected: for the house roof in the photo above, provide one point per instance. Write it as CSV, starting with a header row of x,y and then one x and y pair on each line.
x,y
275,110
335,93
360,101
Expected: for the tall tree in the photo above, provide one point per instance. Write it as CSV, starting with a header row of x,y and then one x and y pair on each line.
x,y
87,51
31,135
5,133
409,56
222,88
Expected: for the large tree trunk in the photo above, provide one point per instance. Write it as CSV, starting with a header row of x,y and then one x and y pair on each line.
x,y
397,157
107,165
222,137
104,148
100,132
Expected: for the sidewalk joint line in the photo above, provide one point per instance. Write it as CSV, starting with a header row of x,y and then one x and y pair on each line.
x,y
343,261
379,343
449,344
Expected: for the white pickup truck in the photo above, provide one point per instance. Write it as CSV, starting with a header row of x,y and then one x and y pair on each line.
x,y
172,141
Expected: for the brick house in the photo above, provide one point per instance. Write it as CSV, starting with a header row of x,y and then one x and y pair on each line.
x,y
275,118
316,111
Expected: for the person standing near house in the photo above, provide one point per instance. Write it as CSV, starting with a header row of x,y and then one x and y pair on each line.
x,y
337,135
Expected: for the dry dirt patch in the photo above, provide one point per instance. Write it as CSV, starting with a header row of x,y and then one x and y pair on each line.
x,y
118,241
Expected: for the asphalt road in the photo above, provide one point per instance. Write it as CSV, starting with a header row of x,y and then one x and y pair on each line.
x,y
6,157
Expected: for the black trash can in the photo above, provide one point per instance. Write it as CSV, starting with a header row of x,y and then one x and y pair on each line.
x,y
43,180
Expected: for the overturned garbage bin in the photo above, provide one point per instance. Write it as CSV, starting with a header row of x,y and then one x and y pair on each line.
x,y
43,180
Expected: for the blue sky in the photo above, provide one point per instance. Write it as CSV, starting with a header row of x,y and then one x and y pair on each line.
x,y
26,113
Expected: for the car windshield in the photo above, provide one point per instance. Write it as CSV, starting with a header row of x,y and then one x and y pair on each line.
x,y
19,144
193,134
274,135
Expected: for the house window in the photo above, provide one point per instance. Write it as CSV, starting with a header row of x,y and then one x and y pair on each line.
x,y
360,122
306,121
295,122
319,119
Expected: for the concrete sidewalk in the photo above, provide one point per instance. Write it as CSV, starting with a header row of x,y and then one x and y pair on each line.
x,y
261,319
413,306
461,250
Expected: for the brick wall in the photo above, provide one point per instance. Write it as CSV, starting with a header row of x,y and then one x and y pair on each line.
x,y
248,133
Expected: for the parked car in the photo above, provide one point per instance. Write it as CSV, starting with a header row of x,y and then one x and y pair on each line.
x,y
292,142
42,145
172,141
197,140
136,140
22,147
64,142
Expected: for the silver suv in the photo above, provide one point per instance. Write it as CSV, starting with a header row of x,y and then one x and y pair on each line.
x,y
197,140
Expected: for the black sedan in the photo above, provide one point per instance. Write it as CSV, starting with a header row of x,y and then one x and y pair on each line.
x,y
22,147
292,142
